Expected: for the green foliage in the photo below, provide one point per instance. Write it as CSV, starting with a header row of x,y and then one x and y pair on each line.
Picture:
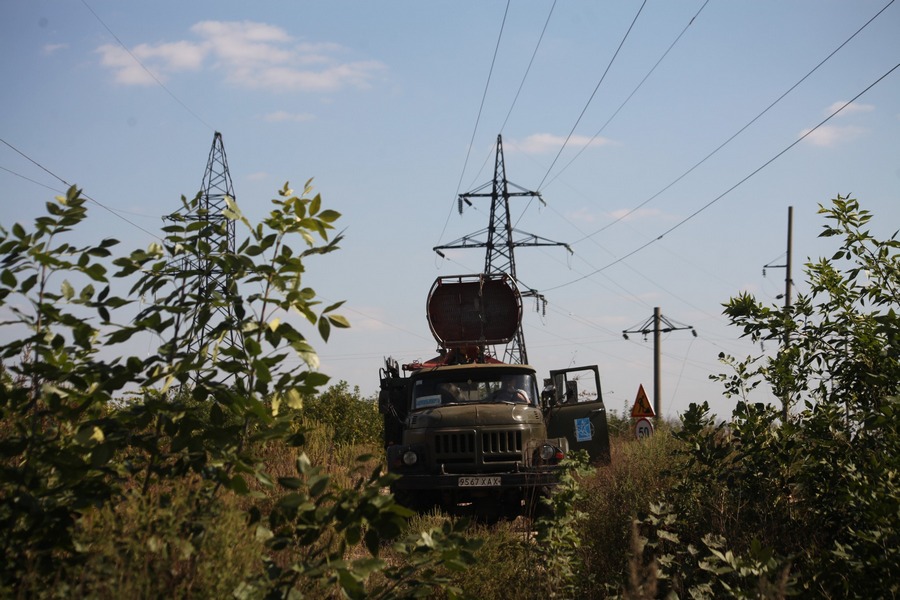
x,y
152,496
811,504
353,419
204,412
845,334
558,534
705,570
507,560
138,548
613,495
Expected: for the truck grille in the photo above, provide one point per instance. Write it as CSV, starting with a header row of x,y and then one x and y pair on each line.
x,y
455,444
469,449
499,445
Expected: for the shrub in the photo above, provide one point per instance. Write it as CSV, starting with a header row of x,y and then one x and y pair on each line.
x,y
811,503
353,419
203,409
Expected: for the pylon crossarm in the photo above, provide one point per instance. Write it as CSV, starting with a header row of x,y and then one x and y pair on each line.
x,y
530,239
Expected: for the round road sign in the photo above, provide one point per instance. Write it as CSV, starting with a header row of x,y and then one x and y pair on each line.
x,y
643,428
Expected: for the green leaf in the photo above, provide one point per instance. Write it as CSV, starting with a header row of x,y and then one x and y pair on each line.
x,y
329,216
366,566
7,278
291,483
316,379
263,534
87,293
339,321
318,485
324,328
294,398
239,485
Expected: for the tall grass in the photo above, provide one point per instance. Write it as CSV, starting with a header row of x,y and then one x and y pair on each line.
x,y
510,563
616,494
139,548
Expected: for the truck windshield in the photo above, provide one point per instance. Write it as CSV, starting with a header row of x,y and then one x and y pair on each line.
x,y
515,388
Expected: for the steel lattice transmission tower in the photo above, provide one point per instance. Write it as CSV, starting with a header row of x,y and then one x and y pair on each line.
x,y
212,281
500,239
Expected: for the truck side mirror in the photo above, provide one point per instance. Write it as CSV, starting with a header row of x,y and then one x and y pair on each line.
x,y
572,391
559,388
548,396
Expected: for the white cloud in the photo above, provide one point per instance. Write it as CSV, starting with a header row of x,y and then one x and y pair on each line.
x,y
542,143
853,108
582,215
146,62
281,116
53,48
248,54
831,135
627,214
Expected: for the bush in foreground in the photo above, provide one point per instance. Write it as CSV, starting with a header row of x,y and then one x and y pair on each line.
x,y
164,473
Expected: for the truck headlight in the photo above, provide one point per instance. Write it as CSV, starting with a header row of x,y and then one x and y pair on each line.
x,y
547,452
410,458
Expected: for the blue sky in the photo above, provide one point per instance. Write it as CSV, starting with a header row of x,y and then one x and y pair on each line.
x,y
394,107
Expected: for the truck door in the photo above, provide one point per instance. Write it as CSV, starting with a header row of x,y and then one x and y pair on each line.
x,y
578,417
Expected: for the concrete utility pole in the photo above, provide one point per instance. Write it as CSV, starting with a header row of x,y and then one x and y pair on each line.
x,y
657,320
788,281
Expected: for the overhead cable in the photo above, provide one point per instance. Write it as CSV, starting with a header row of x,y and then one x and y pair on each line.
x,y
68,185
633,92
521,85
149,72
737,133
732,188
594,93
487,85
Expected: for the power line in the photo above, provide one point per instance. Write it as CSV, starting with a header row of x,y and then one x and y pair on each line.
x,y
67,184
519,91
528,68
633,92
34,181
738,132
781,97
144,67
487,85
590,236
594,93
732,188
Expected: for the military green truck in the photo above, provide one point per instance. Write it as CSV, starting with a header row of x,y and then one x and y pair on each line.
x,y
473,435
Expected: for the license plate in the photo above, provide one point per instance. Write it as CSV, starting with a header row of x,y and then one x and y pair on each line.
x,y
479,481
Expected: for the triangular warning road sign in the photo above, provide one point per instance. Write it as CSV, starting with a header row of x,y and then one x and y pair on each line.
x,y
641,406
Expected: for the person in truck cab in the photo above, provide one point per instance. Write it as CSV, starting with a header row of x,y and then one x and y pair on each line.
x,y
508,392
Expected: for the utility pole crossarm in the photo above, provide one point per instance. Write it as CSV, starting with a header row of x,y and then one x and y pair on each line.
x,y
467,241
527,239
655,325
531,239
